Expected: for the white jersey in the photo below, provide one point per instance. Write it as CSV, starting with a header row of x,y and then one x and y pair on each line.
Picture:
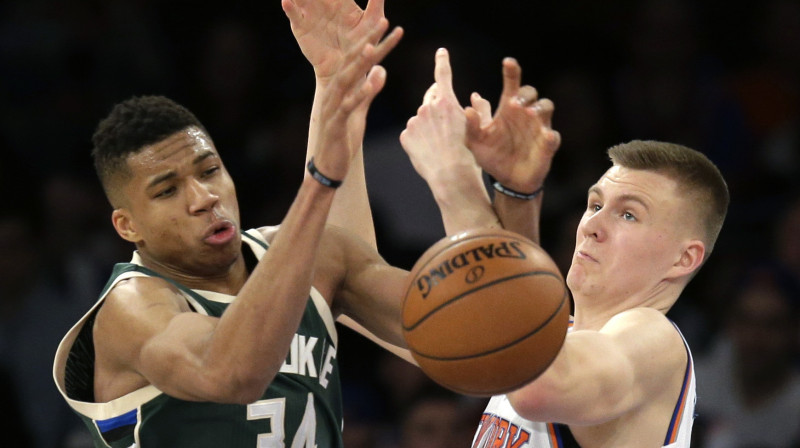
x,y
501,426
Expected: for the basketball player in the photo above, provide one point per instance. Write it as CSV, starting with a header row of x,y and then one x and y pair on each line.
x,y
188,344
623,377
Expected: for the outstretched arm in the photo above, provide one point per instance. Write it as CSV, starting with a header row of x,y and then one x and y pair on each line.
x,y
325,31
602,374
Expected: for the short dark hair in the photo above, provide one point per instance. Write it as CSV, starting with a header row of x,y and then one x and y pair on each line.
x,y
697,177
131,125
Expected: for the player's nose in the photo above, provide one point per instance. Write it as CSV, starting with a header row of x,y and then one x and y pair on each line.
x,y
200,197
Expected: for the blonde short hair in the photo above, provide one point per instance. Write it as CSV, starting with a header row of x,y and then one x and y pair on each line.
x,y
698,179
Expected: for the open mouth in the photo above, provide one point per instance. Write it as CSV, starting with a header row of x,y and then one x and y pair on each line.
x,y
220,233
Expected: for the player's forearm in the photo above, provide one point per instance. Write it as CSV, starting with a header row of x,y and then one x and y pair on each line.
x,y
351,208
314,122
588,369
519,215
253,336
462,199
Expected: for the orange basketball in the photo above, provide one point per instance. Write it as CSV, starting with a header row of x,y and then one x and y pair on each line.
x,y
485,311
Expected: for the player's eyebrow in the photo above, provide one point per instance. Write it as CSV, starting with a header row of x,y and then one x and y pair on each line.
x,y
161,178
625,197
171,173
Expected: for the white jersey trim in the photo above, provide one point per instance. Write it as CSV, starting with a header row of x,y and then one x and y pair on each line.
x,y
98,411
121,405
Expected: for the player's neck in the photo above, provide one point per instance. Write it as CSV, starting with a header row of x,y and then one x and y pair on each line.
x,y
584,319
225,281
591,313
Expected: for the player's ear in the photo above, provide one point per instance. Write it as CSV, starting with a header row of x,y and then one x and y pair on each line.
x,y
124,225
690,258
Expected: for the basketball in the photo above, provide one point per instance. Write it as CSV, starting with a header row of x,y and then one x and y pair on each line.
x,y
485,311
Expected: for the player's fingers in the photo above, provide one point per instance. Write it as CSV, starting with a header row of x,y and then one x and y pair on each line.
x,y
474,125
374,83
544,109
410,123
303,4
404,136
527,96
387,44
364,92
375,30
291,10
375,8
482,107
512,75
364,55
443,73
376,80
554,139
431,94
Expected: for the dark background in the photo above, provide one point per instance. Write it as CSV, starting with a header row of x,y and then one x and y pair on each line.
x,y
718,76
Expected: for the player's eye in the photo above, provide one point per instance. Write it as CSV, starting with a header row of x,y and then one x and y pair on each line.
x,y
210,171
169,191
628,216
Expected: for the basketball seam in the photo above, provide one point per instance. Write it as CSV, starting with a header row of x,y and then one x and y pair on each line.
x,y
503,347
470,291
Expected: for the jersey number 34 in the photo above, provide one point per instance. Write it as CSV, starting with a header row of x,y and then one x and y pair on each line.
x,y
274,410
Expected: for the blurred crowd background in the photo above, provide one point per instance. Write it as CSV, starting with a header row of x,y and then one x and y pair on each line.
x,y
721,77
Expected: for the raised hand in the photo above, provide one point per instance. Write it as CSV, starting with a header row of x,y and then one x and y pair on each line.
x,y
517,144
327,29
434,139
349,93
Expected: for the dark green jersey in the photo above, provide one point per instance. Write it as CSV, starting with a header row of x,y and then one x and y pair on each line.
x,y
301,408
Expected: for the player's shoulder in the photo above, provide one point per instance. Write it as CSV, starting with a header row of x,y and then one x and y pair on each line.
x,y
641,315
646,322
652,342
140,293
268,232
336,245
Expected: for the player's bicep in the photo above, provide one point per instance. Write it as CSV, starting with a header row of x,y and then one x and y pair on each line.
x,y
173,360
397,350
145,327
638,360
652,350
601,375
587,383
372,292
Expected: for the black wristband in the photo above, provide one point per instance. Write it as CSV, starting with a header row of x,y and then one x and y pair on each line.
x,y
321,178
513,193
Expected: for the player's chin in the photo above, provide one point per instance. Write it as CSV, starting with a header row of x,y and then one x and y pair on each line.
x,y
575,277
221,249
218,262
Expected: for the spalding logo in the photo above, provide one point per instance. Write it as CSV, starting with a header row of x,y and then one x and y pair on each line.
x,y
427,281
474,274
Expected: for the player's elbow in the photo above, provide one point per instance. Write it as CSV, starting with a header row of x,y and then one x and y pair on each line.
x,y
230,390
194,379
238,386
533,401
245,394
590,401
